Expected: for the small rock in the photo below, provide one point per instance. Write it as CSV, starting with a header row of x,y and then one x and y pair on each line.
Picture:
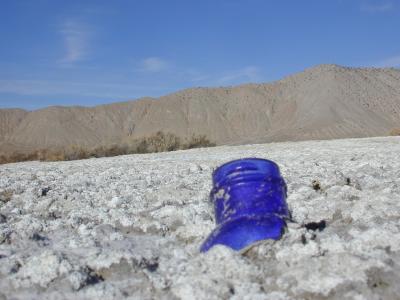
x,y
45,191
42,240
316,185
115,202
3,218
37,237
15,268
316,225
150,265
5,237
84,277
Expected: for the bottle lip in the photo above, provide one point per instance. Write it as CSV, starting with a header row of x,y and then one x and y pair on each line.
x,y
261,164
257,228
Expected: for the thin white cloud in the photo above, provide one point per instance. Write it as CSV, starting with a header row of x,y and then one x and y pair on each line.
x,y
154,64
199,78
76,41
249,73
393,61
56,88
377,8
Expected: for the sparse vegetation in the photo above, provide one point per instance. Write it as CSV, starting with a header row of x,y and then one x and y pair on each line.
x,y
16,157
159,142
395,132
6,196
198,141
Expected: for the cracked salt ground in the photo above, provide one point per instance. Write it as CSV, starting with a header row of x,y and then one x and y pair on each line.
x,y
131,226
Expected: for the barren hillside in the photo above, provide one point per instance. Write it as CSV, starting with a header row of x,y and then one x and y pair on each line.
x,y
9,120
324,102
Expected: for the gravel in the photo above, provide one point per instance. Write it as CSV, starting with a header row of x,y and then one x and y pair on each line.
x,y
131,226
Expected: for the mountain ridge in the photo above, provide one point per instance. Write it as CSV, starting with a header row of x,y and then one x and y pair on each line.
x,y
322,102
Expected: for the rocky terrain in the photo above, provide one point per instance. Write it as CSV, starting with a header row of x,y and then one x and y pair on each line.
x,y
324,102
131,226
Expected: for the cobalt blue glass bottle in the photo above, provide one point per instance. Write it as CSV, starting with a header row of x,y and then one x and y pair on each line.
x,y
249,197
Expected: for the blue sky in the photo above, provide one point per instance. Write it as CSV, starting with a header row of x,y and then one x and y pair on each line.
x,y
57,52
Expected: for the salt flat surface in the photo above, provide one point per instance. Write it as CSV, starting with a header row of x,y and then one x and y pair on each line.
x,y
131,226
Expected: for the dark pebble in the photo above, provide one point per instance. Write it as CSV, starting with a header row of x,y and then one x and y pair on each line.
x,y
316,225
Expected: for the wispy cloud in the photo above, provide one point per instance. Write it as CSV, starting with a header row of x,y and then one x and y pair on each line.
x,y
154,64
393,61
70,88
377,8
198,77
76,41
249,73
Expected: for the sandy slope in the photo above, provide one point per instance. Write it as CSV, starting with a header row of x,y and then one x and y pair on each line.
x,y
131,226
9,120
324,102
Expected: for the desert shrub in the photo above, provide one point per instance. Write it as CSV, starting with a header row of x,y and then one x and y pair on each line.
x,y
51,155
6,195
164,142
159,142
42,155
75,152
115,150
171,142
31,156
395,132
98,152
18,156
72,152
4,159
197,141
142,146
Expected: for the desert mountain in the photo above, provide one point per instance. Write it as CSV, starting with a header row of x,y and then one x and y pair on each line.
x,y
324,102
9,120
